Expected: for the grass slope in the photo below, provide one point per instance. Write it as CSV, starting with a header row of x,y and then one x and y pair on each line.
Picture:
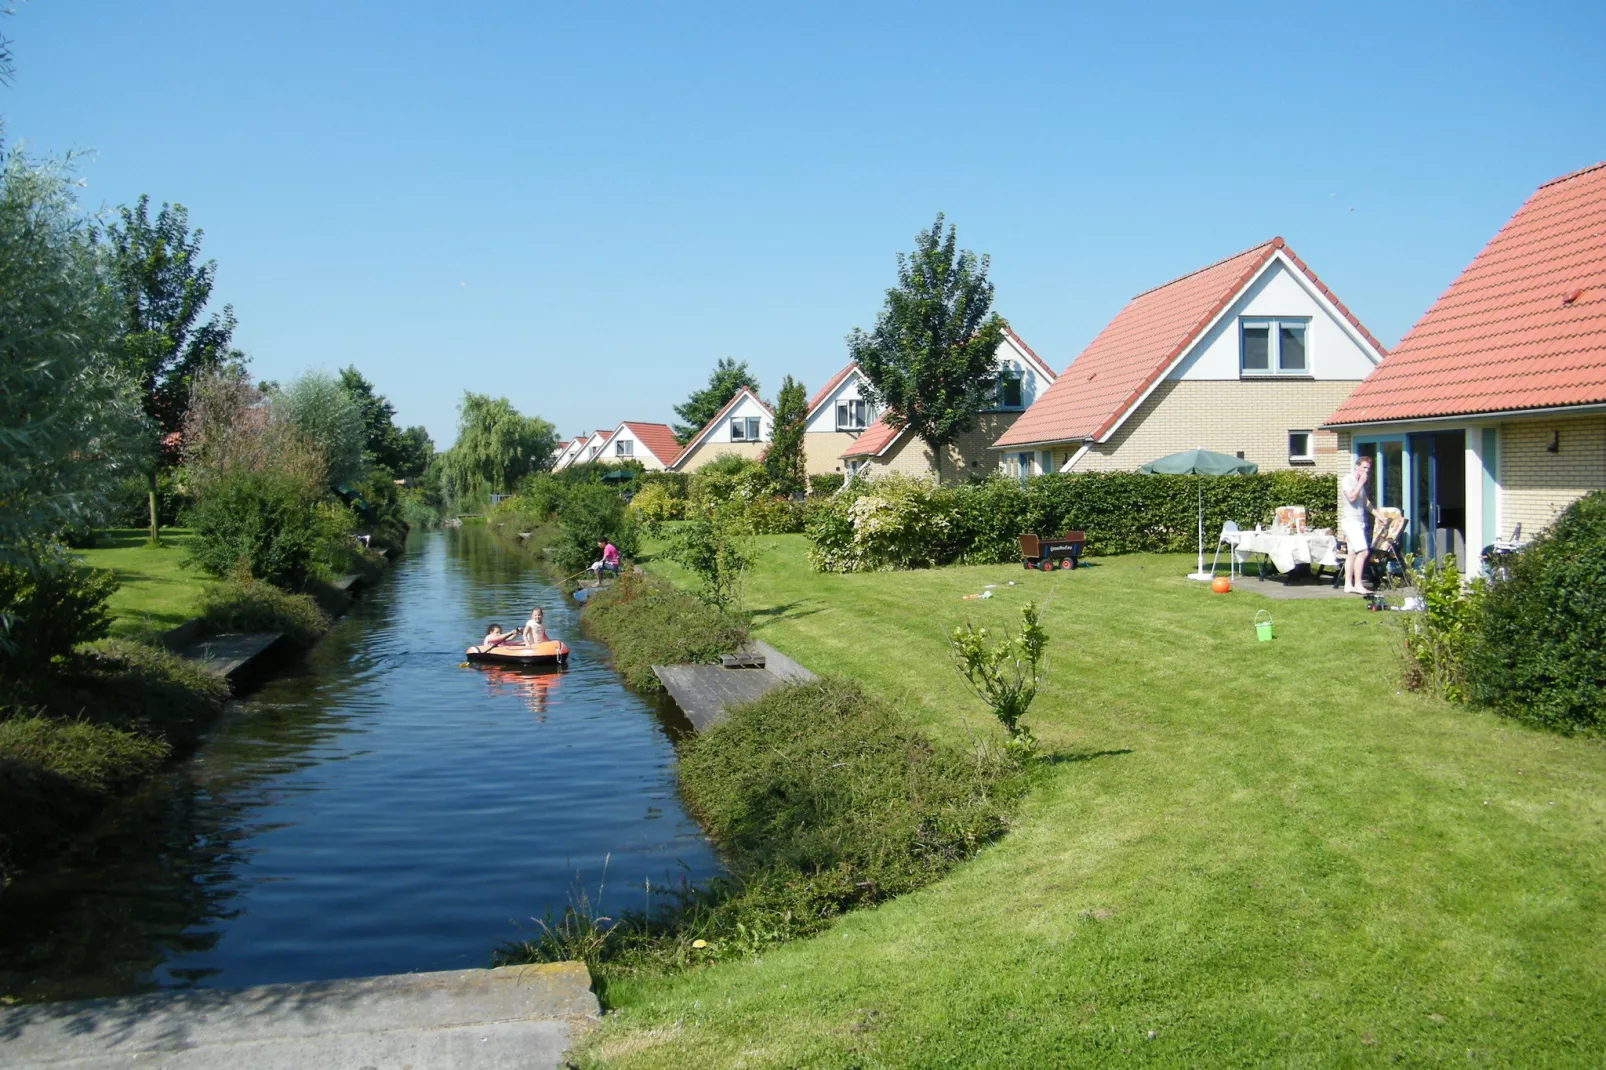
x,y
157,591
1245,852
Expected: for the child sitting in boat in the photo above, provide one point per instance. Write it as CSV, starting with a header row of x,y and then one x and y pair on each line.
x,y
495,637
534,630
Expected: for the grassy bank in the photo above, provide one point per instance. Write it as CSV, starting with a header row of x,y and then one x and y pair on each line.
x,y
1239,852
156,591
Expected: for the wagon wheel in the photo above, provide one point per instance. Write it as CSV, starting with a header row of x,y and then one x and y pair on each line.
x,y
1067,562
1046,565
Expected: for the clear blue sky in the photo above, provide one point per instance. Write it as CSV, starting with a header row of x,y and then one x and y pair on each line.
x,y
581,207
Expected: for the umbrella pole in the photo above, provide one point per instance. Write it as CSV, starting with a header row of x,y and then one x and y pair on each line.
x,y
1200,573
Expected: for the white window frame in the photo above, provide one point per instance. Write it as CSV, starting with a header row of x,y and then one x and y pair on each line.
x,y
1309,456
624,447
848,407
740,425
1274,354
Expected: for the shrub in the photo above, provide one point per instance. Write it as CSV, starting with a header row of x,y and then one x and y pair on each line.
x,y
1006,674
655,504
130,504
49,608
247,605
648,621
593,511
896,522
417,512
773,516
274,525
1438,640
825,483
1540,651
540,495
710,545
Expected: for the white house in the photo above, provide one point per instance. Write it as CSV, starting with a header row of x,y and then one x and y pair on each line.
x,y
742,427
838,414
653,445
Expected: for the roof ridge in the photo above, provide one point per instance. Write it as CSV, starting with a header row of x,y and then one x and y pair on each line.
x,y
1275,242
1573,174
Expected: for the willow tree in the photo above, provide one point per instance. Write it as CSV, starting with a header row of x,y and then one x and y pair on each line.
x,y
496,446
931,362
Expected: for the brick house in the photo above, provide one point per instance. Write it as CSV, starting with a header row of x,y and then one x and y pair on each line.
x,y
653,445
1247,356
1023,379
742,427
1491,412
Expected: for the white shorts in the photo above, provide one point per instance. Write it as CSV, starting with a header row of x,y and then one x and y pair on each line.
x,y
1355,535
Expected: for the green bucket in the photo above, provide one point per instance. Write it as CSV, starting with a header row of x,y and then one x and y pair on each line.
x,y
1263,627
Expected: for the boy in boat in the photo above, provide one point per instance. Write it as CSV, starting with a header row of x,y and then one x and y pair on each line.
x,y
534,630
609,561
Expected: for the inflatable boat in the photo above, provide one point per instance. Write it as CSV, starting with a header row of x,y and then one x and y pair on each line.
x,y
548,653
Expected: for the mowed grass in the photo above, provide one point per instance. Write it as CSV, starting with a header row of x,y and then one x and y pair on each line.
x,y
157,591
1242,852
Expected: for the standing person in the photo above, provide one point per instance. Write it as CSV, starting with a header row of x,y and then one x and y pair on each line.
x,y
609,561
1352,509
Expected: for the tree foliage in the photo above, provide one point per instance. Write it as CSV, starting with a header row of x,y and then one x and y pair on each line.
x,y
387,445
784,459
162,287
931,362
70,422
724,382
328,418
496,446
1004,674
230,428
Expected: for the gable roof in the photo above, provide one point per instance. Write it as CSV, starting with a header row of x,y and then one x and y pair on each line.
x,y
1143,342
1522,327
708,428
657,438
880,436
829,388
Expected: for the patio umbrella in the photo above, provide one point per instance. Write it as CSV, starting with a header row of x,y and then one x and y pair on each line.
x,y
1199,462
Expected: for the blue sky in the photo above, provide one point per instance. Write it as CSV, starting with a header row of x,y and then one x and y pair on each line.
x,y
581,207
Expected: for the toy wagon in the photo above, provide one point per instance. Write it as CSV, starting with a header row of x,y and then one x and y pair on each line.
x,y
1047,554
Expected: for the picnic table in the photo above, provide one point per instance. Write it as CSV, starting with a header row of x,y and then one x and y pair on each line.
x,y
1287,550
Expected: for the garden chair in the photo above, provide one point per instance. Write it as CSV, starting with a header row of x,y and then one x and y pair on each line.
x,y
1230,537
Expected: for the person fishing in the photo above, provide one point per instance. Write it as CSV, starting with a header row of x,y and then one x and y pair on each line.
x,y
609,561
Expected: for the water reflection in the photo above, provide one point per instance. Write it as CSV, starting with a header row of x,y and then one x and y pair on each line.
x,y
379,809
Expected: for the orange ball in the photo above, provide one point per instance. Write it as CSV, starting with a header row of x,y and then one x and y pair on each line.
x,y
1221,585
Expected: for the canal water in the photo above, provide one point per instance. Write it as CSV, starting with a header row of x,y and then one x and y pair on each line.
x,y
380,808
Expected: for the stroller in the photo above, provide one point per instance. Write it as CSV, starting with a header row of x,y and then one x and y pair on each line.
x,y
1385,562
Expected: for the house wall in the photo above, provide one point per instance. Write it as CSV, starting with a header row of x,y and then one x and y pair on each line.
x,y
823,421
1537,485
1332,351
610,452
721,432
822,450
966,456
701,454
1252,415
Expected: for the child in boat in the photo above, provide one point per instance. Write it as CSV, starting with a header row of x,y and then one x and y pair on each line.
x,y
495,636
534,630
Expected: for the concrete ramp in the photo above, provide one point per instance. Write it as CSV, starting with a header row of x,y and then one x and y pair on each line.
x,y
516,1016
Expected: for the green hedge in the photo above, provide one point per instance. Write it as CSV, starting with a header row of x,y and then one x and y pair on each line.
x,y
648,621
978,523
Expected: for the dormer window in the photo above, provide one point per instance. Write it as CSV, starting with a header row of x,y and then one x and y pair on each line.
x,y
1009,390
1273,346
744,429
852,415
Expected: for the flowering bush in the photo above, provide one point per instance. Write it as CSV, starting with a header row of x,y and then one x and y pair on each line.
x,y
896,523
655,503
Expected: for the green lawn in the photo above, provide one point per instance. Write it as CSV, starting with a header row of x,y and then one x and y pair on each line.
x,y
1243,853
157,591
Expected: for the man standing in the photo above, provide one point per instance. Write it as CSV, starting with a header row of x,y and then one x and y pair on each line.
x,y
1352,509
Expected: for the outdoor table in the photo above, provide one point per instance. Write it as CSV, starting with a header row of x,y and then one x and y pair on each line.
x,y
1288,550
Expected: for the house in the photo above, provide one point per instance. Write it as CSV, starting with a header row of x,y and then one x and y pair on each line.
x,y
590,450
838,414
1023,379
1247,356
569,452
653,445
742,427
1491,412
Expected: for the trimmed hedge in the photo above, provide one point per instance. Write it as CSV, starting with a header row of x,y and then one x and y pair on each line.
x,y
890,523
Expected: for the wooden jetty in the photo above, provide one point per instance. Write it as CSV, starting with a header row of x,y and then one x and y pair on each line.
x,y
705,692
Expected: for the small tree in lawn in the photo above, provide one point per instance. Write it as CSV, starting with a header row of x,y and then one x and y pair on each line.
x,y
724,382
784,459
1004,674
712,544
931,362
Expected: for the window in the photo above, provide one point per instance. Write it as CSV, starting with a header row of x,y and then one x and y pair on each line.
x,y
744,429
852,416
1009,390
624,448
1300,450
1274,347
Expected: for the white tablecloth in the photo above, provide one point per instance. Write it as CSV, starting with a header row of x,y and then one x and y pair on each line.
x,y
1286,551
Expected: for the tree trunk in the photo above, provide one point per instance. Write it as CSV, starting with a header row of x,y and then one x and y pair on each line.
x,y
151,499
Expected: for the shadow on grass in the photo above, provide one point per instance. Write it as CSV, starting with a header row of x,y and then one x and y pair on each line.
x,y
1068,757
785,611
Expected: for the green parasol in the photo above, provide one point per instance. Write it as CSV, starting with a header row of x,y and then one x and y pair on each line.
x,y
1200,463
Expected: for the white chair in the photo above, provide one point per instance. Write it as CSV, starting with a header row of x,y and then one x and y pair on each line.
x,y
1230,537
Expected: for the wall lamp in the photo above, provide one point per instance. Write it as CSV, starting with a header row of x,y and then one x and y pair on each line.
x,y
1555,443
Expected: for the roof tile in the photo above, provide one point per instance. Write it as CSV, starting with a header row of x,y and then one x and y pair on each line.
x,y
658,438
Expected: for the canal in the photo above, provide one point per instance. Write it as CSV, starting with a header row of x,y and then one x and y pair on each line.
x,y
377,808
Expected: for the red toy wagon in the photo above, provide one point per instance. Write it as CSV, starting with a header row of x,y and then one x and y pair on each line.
x,y
1057,551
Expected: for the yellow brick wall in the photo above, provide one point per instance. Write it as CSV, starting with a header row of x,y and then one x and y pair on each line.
x,y
701,455
966,456
822,451
1536,484
1226,416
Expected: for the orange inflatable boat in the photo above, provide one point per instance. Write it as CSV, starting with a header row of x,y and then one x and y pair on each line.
x,y
548,653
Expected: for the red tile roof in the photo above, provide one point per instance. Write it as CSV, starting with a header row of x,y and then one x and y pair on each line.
x,y
720,415
872,440
825,391
658,438
1523,327
1141,344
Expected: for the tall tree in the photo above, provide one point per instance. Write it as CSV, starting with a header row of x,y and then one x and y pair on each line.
x,y
163,286
383,439
931,361
727,378
326,416
784,459
417,453
496,446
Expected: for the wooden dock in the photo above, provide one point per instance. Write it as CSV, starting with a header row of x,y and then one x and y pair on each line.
x,y
705,692
227,655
